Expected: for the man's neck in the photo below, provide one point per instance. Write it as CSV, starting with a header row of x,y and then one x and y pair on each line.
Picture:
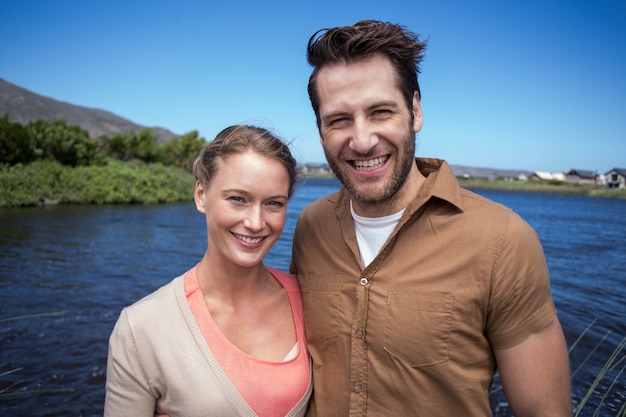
x,y
398,202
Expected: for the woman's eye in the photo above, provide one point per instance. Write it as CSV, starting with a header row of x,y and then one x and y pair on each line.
x,y
236,198
276,203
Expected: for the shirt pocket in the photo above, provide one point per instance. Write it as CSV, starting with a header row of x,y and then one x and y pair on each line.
x,y
418,327
322,306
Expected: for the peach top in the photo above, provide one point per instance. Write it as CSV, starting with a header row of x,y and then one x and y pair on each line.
x,y
271,389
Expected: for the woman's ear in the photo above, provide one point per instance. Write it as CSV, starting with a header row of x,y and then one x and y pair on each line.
x,y
198,196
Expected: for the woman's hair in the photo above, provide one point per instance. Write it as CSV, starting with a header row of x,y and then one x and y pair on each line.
x,y
238,139
361,41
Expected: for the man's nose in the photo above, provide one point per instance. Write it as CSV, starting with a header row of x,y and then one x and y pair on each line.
x,y
363,137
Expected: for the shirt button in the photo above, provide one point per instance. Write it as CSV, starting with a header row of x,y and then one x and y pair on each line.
x,y
363,281
359,333
357,388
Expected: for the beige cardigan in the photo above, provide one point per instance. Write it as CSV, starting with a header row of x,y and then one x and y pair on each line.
x,y
159,362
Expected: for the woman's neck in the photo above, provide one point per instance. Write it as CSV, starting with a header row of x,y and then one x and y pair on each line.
x,y
233,284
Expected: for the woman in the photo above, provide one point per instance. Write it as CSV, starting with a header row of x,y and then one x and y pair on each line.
x,y
227,337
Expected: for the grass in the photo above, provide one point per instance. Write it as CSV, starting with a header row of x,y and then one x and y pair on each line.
x,y
137,182
594,401
13,390
611,364
555,187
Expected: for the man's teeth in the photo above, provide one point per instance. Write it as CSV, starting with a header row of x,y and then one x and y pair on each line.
x,y
370,164
249,240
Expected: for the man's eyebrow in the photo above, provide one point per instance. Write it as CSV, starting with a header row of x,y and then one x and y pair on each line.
x,y
334,114
375,105
383,103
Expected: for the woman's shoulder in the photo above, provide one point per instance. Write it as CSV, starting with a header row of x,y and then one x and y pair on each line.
x,y
157,301
287,280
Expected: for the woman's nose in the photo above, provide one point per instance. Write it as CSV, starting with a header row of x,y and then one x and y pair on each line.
x,y
254,218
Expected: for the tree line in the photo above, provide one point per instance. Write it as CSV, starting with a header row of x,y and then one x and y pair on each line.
x,y
72,146
50,163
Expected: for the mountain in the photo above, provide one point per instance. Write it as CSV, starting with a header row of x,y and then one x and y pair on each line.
x,y
24,106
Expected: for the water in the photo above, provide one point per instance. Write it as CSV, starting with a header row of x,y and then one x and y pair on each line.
x,y
584,241
69,270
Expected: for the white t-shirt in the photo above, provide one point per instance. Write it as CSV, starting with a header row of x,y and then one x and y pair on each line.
x,y
372,233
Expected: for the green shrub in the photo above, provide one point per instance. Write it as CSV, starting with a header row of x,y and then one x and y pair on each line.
x,y
116,182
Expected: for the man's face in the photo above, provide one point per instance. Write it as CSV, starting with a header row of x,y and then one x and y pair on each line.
x,y
366,129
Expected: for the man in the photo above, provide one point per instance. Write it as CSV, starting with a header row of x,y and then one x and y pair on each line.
x,y
415,290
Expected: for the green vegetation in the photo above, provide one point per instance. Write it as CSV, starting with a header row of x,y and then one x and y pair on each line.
x,y
46,163
604,382
594,400
116,182
69,145
555,187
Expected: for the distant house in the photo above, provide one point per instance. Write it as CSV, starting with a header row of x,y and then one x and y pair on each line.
x,y
465,172
581,176
616,178
547,176
313,167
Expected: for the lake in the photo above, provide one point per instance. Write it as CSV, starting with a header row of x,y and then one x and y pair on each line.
x,y
67,271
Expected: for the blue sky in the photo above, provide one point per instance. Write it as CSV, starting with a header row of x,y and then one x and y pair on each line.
x,y
538,85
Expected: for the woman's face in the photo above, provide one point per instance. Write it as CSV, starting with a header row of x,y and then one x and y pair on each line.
x,y
245,204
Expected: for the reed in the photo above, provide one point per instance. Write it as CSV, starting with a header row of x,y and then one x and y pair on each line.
x,y
554,187
13,390
595,399
608,379
609,366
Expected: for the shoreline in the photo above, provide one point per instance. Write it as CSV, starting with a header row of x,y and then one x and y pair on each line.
x,y
44,184
554,187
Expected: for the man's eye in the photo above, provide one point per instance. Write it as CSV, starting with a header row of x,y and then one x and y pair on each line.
x,y
337,121
236,198
382,113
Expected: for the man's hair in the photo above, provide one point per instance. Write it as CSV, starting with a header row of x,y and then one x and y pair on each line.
x,y
238,139
361,41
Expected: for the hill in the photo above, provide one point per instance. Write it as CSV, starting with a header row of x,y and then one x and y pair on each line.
x,y
24,106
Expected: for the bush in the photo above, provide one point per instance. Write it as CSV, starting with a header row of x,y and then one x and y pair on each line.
x,y
15,143
69,145
116,182
182,151
129,146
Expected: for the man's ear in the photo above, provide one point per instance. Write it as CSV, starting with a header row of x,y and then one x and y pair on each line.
x,y
417,113
198,196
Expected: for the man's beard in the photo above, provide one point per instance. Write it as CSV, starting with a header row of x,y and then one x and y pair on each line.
x,y
405,161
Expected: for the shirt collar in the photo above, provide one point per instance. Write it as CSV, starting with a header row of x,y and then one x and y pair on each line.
x,y
440,183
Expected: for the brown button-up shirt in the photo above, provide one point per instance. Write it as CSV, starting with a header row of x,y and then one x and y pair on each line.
x,y
412,333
